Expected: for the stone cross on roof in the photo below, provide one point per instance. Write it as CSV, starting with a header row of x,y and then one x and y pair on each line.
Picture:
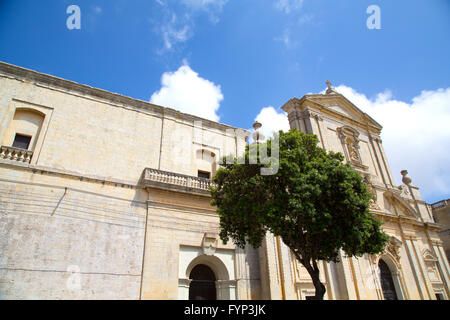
x,y
330,89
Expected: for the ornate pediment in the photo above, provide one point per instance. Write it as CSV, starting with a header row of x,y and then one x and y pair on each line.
x,y
340,105
332,104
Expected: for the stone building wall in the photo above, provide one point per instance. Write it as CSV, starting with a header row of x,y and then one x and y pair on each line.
x,y
77,219
66,242
441,213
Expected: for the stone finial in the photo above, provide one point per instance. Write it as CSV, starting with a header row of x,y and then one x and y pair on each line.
x,y
406,179
258,136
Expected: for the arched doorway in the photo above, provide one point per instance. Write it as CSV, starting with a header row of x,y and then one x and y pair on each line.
x,y
203,285
387,283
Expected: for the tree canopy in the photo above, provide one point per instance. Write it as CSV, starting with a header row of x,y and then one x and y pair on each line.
x,y
315,202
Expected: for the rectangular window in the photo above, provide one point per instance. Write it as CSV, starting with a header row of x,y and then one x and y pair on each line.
x,y
439,296
21,141
203,174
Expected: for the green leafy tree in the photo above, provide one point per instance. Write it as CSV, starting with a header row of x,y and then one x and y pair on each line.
x,y
317,204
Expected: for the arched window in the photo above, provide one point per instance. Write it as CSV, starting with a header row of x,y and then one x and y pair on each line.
x,y
24,129
206,163
387,283
203,285
22,135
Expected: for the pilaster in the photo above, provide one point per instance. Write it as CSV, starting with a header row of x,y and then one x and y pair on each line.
x,y
425,285
348,276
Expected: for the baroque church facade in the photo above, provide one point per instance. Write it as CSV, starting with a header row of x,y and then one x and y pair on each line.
x,y
106,197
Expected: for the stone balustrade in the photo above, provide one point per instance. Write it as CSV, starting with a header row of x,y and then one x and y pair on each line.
x,y
174,181
15,154
441,203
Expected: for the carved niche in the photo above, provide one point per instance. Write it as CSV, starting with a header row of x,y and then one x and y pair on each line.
x,y
350,142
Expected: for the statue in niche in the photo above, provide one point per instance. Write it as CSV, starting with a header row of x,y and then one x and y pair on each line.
x,y
353,154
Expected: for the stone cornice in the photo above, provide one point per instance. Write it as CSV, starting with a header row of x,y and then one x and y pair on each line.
x,y
183,209
45,80
434,226
400,219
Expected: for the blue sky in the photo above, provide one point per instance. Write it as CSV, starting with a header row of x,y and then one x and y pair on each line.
x,y
247,56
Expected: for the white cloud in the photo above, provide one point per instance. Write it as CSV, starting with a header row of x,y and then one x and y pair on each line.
x,y
186,91
175,31
287,6
415,136
272,121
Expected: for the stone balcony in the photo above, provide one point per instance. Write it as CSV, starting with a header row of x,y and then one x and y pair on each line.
x,y
15,154
154,178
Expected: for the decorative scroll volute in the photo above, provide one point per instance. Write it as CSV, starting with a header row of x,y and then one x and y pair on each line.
x,y
392,248
373,202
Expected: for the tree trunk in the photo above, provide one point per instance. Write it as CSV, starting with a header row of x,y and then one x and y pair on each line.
x,y
318,285
320,288
314,272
